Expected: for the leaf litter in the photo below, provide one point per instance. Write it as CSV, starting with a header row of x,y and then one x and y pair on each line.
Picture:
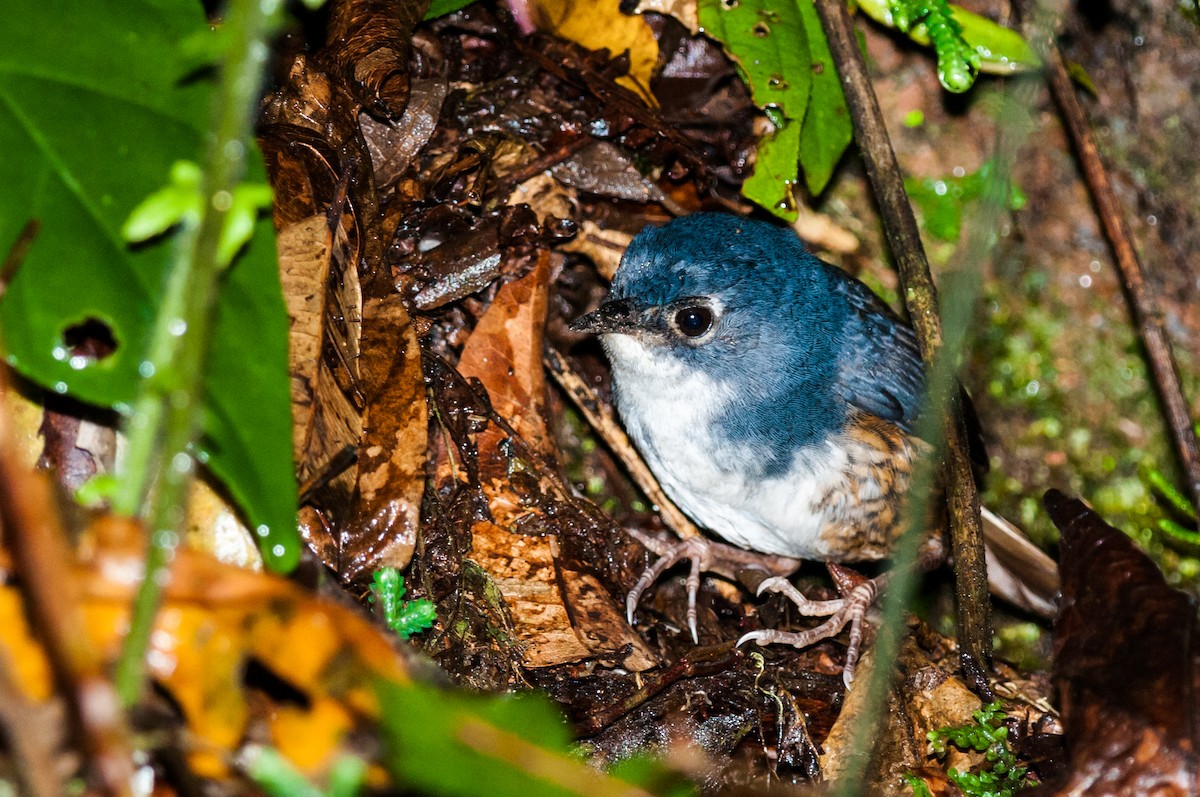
x,y
427,259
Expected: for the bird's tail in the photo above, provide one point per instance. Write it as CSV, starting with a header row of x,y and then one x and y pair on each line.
x,y
1018,571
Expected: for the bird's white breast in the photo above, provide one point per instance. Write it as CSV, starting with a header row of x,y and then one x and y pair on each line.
x,y
670,411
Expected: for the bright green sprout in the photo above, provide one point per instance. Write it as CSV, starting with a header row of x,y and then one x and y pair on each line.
x,y
988,735
181,201
958,61
404,617
1174,533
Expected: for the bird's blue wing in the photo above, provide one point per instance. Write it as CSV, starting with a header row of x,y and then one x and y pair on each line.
x,y
880,368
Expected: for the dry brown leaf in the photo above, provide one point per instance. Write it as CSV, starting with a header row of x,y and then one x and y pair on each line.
x,y
561,614
603,247
324,312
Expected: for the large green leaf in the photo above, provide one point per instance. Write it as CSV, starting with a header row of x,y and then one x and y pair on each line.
x,y
94,109
827,127
780,48
458,745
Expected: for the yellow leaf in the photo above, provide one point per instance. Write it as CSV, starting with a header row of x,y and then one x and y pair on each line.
x,y
309,738
600,26
30,668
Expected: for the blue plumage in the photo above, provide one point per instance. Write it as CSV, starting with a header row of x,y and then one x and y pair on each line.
x,y
804,340
774,396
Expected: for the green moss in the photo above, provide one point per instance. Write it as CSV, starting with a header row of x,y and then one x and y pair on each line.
x,y
1066,390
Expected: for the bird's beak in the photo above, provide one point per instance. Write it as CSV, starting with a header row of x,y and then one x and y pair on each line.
x,y
614,316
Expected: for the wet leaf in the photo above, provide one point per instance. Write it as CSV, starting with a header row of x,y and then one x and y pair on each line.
x,y
391,458
72,96
356,376
602,26
781,51
367,44
1001,51
544,594
1125,665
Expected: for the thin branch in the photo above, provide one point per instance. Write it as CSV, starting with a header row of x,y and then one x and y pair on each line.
x,y
601,419
920,298
1138,292
167,414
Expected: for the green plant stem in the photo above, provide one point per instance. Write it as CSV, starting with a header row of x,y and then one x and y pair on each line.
x,y
166,417
920,298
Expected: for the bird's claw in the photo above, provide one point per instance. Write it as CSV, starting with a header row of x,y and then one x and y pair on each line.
x,y
696,550
850,609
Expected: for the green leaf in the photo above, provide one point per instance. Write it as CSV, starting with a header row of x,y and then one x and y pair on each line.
x,y
766,40
782,54
428,735
459,745
95,112
440,8
1001,51
827,127
770,186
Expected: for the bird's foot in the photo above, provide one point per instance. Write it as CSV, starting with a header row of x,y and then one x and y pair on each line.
x,y
705,556
851,609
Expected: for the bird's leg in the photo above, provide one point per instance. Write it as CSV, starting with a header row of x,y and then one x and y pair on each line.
x,y
851,608
705,556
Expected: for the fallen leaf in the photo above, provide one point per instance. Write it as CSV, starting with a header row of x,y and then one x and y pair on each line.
x,y
391,459
1125,664
367,44
560,613
602,26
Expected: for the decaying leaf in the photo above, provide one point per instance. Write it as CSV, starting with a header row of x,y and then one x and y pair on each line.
x,y
356,378
391,457
368,47
602,26
517,547
1125,664
393,146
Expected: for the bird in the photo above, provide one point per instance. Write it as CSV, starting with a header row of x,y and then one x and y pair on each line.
x,y
774,396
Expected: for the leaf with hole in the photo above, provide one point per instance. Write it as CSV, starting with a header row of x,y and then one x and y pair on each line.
x,y
97,107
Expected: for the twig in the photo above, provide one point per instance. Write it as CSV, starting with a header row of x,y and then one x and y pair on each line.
x,y
597,414
167,414
920,298
1139,294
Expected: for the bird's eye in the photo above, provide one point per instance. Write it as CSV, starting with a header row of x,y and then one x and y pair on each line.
x,y
694,321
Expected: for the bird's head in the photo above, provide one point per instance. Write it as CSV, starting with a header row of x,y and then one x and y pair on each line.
x,y
736,298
